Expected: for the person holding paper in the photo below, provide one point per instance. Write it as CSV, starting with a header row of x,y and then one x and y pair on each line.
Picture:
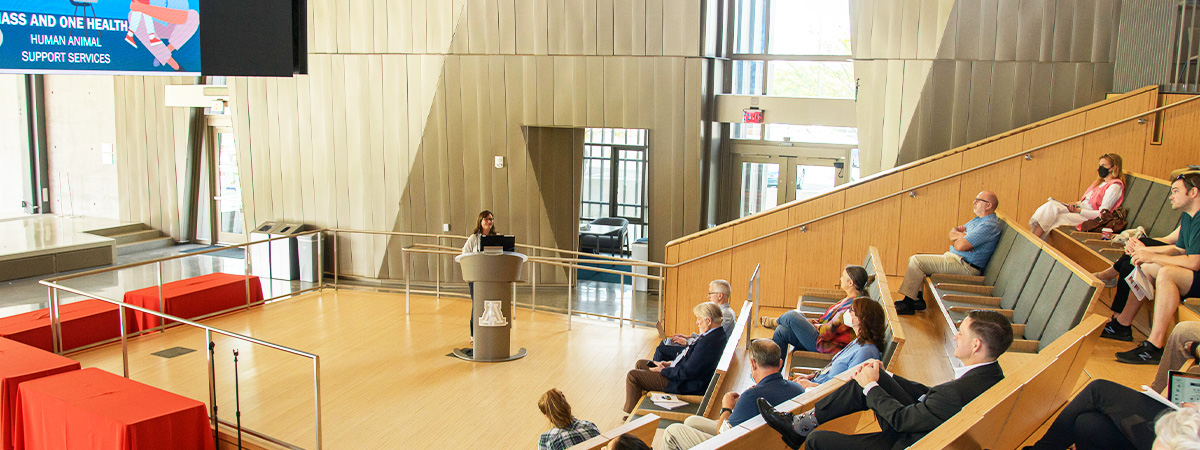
x,y
1114,276
737,408
1107,192
719,292
1105,415
1171,268
869,321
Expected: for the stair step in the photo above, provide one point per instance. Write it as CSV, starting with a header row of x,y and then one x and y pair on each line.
x,y
141,246
136,236
120,229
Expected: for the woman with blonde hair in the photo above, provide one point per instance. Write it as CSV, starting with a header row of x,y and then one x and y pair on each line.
x,y
1107,192
567,429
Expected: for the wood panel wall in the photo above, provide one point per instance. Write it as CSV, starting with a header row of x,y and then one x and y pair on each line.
x,y
938,74
151,152
907,224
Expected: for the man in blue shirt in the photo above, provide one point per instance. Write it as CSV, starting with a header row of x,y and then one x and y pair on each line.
x,y
971,247
735,409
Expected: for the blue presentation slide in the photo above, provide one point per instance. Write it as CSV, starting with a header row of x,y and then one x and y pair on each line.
x,y
138,37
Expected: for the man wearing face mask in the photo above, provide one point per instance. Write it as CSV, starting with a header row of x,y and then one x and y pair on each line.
x,y
971,247
735,409
1107,192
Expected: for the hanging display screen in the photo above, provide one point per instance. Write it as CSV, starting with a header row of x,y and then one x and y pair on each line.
x,y
143,37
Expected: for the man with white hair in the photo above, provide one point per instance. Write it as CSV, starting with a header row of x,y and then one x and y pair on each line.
x,y
719,292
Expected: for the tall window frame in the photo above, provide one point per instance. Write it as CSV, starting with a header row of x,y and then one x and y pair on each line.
x,y
753,58
615,177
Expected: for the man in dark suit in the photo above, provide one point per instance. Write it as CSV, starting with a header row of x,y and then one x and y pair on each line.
x,y
690,372
906,410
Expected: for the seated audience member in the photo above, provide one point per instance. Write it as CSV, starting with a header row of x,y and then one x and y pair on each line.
x,y
718,293
690,372
1108,415
567,430
869,323
905,410
971,247
825,334
1172,268
1178,430
628,442
1181,346
735,409
1114,276
1107,192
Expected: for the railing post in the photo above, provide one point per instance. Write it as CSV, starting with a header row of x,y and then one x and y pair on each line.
x,y
438,272
406,260
335,260
570,294
621,299
55,331
533,290
161,301
246,266
124,343
212,383
317,396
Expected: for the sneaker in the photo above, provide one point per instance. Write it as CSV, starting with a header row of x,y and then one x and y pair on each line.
x,y
129,39
1110,283
1114,330
154,40
1144,353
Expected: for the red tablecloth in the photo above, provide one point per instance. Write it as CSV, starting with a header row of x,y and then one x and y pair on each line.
x,y
20,363
93,409
84,322
193,297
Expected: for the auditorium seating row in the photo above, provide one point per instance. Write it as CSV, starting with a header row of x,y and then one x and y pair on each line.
x,y
1040,290
708,404
814,302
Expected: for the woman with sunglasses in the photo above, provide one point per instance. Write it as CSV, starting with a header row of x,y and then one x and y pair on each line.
x,y
1107,192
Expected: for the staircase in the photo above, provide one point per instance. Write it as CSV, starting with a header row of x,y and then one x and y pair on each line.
x,y
134,237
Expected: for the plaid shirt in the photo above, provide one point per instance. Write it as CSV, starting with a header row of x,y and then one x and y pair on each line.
x,y
561,438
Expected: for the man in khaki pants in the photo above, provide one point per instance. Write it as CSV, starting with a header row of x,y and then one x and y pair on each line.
x,y
971,247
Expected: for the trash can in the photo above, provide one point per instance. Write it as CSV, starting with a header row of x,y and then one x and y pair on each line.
x,y
309,253
285,264
260,254
640,251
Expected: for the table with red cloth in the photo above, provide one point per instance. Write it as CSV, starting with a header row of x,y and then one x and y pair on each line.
x,y
97,410
20,363
193,297
82,323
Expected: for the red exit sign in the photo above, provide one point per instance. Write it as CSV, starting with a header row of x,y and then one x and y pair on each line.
x,y
752,115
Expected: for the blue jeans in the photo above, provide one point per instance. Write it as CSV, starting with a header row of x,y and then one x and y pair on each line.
x,y
794,329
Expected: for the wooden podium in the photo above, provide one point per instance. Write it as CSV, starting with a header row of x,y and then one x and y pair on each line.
x,y
493,274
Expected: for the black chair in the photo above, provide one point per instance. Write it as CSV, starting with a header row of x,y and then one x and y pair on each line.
x,y
614,242
85,4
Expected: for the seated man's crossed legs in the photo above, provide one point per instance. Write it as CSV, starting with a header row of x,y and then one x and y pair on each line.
x,y
921,266
1171,284
800,429
638,381
692,432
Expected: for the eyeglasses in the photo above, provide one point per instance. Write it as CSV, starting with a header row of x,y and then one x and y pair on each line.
x,y
980,200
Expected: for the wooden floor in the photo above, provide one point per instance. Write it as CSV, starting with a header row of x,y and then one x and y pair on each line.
x,y
386,381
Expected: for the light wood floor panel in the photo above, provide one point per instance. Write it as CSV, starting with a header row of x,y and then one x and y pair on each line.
x,y
386,382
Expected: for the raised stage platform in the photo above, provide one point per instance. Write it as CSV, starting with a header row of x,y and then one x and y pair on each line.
x,y
45,244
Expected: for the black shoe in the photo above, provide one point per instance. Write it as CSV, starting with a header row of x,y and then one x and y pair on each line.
x,y
1144,353
905,307
1114,330
781,422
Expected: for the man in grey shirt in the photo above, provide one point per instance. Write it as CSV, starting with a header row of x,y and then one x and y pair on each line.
x,y
719,293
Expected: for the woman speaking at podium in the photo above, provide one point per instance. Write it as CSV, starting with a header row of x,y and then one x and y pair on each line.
x,y
483,227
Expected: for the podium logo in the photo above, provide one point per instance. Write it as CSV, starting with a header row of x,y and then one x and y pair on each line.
x,y
492,315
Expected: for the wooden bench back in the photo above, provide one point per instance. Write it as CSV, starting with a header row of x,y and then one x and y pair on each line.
x,y
1006,415
643,427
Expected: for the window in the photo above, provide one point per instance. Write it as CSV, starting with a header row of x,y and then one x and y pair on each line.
x,y
614,177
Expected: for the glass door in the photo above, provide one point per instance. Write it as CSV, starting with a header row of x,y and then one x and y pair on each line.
x,y
230,222
813,180
759,180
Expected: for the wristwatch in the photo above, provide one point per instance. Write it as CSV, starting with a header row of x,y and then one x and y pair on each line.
x,y
726,410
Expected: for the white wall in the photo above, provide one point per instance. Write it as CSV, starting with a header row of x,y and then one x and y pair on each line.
x,y
79,118
12,147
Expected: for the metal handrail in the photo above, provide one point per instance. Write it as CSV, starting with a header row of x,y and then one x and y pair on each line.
x,y
928,183
572,264
208,331
752,294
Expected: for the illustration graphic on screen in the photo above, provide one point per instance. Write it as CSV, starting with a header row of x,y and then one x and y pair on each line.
x,y
172,19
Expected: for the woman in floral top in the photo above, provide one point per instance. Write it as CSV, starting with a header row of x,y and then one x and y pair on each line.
x,y
825,334
567,430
